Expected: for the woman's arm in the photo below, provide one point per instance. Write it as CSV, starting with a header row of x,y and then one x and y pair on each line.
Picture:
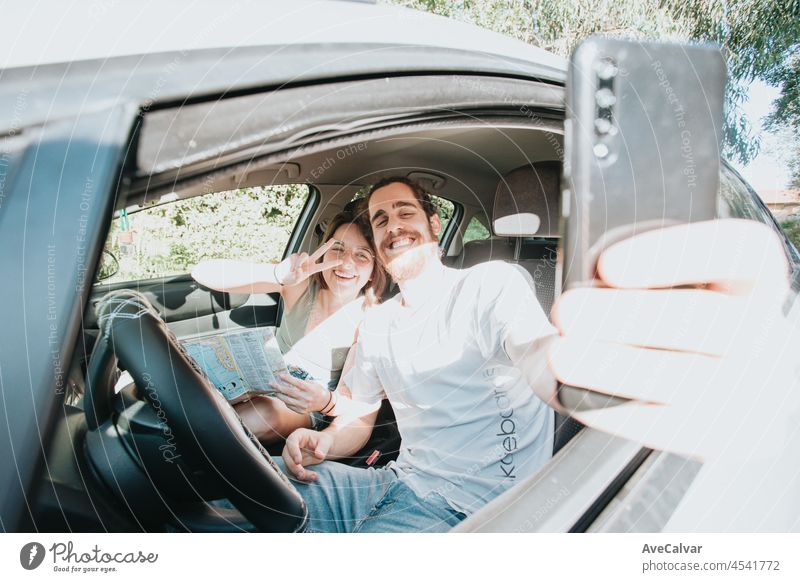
x,y
236,276
341,403
304,396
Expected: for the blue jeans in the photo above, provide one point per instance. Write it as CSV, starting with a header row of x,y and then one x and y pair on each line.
x,y
349,499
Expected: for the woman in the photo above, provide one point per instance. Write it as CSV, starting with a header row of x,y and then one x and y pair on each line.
x,y
324,303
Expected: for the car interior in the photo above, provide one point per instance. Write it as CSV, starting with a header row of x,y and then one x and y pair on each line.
x,y
496,162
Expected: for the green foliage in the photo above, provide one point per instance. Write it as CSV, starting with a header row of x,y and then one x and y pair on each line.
x,y
794,167
445,209
791,226
761,40
476,231
784,120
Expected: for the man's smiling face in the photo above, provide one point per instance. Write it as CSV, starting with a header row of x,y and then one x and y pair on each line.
x,y
404,236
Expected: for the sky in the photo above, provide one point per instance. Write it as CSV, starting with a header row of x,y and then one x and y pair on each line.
x,y
766,171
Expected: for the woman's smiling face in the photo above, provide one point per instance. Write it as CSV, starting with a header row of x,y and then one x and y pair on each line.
x,y
358,261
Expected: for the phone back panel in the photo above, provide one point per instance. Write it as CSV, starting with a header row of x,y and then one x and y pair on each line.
x,y
644,124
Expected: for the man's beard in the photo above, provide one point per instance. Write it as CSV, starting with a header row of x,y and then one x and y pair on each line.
x,y
411,263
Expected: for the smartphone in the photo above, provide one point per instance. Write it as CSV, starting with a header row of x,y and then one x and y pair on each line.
x,y
642,151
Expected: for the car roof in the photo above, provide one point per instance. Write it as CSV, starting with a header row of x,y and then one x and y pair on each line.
x,y
63,58
98,30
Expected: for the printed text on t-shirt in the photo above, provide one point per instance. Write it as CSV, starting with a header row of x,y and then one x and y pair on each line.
x,y
507,434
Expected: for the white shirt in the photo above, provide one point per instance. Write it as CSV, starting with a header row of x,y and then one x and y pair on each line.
x,y
470,424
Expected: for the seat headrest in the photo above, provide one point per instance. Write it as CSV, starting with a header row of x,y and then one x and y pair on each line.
x,y
527,201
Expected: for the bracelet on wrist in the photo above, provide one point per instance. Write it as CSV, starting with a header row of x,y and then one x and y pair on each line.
x,y
275,274
327,408
335,399
327,404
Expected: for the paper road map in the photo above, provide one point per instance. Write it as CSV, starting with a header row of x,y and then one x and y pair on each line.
x,y
239,363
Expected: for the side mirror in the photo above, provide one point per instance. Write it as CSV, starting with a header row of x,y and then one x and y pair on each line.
x,y
109,266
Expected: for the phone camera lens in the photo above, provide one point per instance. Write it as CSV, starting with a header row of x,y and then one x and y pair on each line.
x,y
601,150
605,98
606,70
602,126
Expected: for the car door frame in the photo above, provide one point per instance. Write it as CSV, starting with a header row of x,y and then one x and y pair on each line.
x,y
82,156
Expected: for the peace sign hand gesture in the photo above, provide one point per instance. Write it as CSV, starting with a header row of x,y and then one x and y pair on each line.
x,y
298,267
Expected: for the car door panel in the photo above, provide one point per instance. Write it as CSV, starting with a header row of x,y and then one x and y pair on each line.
x,y
176,298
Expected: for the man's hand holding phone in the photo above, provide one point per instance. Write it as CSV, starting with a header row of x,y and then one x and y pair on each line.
x,y
690,328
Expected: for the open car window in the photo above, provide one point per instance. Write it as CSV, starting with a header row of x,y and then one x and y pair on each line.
x,y
477,228
446,211
252,224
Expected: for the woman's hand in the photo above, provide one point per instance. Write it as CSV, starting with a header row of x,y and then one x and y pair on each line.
x,y
234,276
302,396
298,267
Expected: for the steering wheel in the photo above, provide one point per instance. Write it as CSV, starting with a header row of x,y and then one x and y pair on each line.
x,y
193,446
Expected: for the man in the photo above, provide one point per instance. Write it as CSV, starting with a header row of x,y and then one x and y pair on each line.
x,y
470,424
458,352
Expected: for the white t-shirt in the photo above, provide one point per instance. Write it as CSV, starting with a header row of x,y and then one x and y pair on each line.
x,y
470,424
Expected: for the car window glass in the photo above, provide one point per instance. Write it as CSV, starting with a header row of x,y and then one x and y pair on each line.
x,y
445,209
476,229
735,200
251,224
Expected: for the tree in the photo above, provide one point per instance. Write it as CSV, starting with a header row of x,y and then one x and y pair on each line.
x,y
784,120
760,40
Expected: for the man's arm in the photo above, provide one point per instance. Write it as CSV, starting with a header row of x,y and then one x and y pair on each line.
x,y
350,433
688,326
343,404
345,436
352,427
530,356
514,318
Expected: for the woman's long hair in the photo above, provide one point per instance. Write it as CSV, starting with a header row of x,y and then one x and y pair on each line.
x,y
355,213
